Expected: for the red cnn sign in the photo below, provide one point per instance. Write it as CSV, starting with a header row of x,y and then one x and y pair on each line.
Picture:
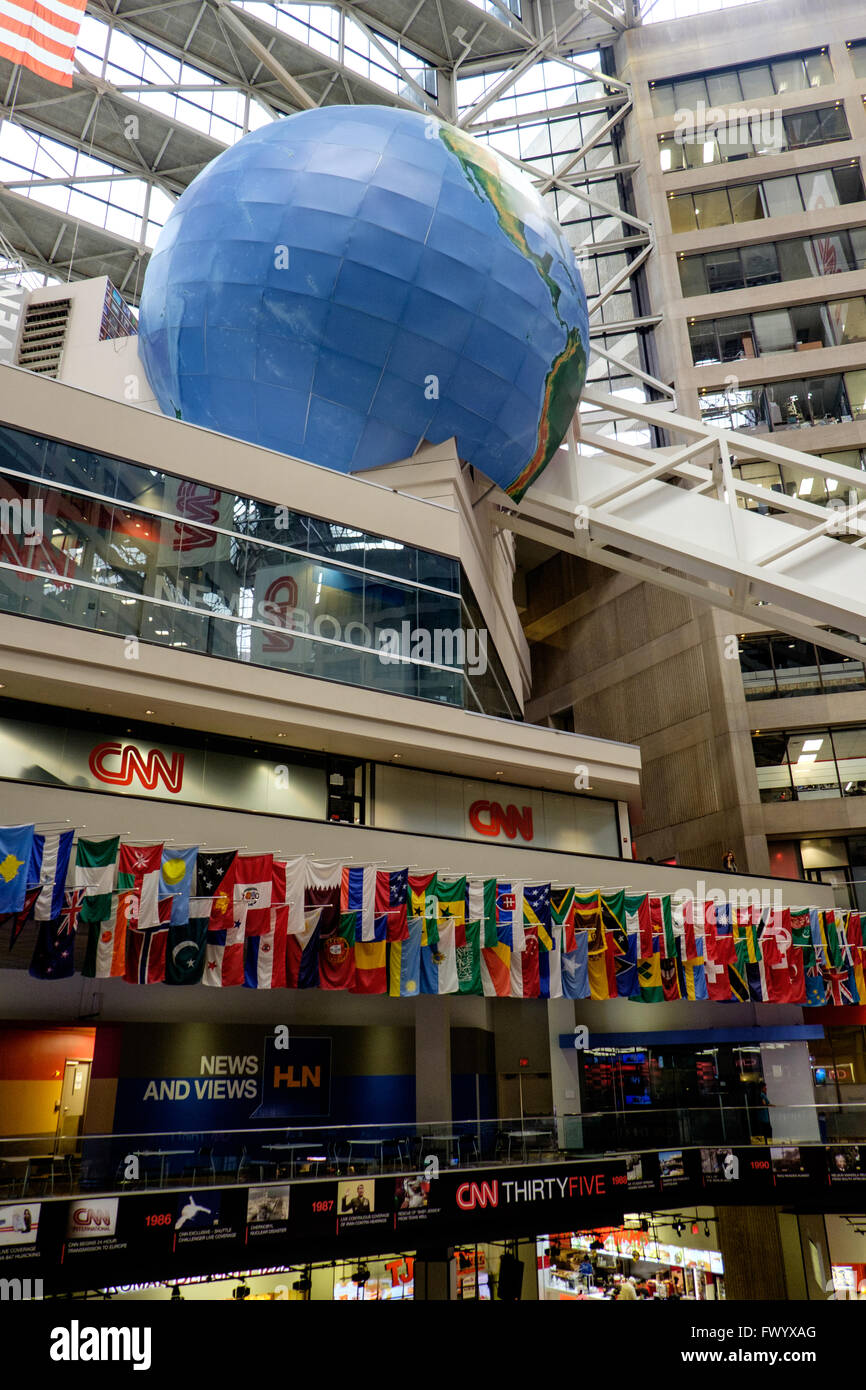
x,y
146,768
199,503
488,818
281,598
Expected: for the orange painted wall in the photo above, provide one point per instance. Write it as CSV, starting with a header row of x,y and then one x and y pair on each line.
x,y
31,1074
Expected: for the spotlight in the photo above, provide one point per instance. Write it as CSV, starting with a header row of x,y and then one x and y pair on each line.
x,y
678,1227
242,1291
361,1275
707,1229
176,1295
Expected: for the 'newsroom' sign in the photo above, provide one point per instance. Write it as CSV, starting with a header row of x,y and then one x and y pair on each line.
x,y
95,1242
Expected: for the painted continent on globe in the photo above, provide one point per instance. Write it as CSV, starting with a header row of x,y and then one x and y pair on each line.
x,y
349,282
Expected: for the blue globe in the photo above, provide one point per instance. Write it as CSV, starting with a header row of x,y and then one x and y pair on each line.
x,y
348,282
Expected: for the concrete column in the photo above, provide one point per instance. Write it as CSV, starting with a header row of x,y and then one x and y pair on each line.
x,y
432,1059
751,1246
435,1276
788,1078
564,1074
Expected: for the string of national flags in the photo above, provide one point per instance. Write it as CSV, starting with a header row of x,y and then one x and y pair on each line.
x,y
154,913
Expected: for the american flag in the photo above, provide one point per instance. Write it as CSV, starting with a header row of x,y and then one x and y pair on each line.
x,y
41,37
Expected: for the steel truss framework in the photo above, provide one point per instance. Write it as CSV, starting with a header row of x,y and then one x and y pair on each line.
x,y
426,47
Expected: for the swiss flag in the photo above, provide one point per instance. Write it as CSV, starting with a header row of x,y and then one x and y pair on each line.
x,y
784,976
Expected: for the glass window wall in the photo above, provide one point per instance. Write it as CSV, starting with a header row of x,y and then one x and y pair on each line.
x,y
177,563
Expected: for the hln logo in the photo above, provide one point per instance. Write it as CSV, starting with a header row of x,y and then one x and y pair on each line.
x,y
20,1290
310,1076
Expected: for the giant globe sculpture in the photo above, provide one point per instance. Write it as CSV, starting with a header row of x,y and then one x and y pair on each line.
x,y
348,282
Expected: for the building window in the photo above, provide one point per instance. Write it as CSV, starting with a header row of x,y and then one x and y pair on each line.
x,y
746,135
749,81
786,405
801,328
782,667
242,579
811,764
773,197
798,258
857,52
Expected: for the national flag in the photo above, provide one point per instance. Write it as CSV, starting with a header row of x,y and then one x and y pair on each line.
x,y
358,894
422,895
224,952
18,920
392,900
783,976
450,894
42,35
859,969
670,977
16,847
719,944
575,974
638,921
54,954
692,979
481,907
49,866
176,880
801,926
739,983
214,879
439,962
95,865
747,939
496,970
840,984
323,879
587,918
525,978
661,917
509,914
302,947
625,960
649,971
536,913
105,955
854,929
468,959
337,953
404,962
185,948
146,949
371,962
138,869
684,930
550,971
253,891
562,915
816,985
265,953
718,984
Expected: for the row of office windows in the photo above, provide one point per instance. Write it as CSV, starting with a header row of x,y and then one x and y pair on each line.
x,y
787,405
771,263
772,197
804,326
778,667
811,764
752,135
235,578
817,488
746,82
797,72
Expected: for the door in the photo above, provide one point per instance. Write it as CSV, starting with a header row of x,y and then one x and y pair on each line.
x,y
73,1101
